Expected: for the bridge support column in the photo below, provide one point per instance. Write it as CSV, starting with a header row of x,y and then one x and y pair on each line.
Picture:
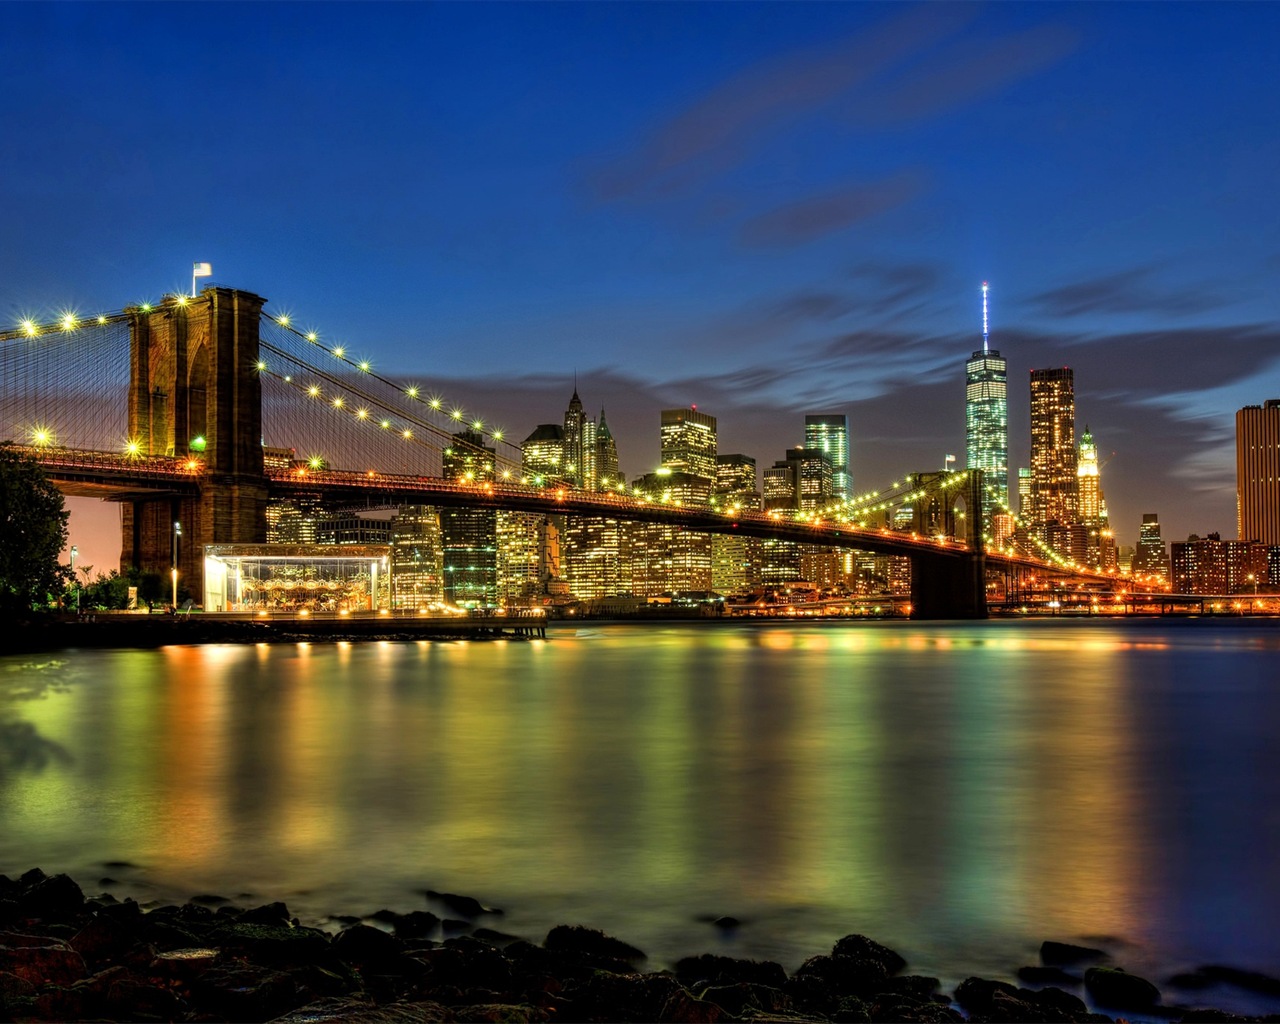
x,y
949,588
194,391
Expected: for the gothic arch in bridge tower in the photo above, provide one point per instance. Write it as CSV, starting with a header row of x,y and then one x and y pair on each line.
x,y
198,396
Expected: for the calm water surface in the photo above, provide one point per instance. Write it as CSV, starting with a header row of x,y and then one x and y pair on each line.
x,y
957,792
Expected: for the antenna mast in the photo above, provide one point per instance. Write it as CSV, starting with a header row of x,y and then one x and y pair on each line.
x,y
985,347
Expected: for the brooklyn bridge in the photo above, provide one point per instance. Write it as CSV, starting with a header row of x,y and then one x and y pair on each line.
x,y
203,410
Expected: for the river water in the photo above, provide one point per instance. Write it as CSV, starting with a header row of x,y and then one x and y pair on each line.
x,y
958,792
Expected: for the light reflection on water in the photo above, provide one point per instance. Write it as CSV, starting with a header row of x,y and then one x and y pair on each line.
x,y
958,792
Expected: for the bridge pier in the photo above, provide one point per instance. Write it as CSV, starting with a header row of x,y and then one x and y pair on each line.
x,y
949,588
194,391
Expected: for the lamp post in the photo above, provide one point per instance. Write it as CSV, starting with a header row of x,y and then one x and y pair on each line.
x,y
74,552
177,542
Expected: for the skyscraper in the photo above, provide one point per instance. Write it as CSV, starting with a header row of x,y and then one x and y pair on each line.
x,y
1258,472
606,455
689,442
986,408
1151,557
829,433
574,449
469,534
1054,494
1088,482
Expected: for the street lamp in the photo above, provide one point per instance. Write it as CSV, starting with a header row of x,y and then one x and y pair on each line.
x,y
177,543
75,551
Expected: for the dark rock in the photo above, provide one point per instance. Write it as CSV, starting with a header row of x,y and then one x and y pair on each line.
x,y
977,995
683,1008
1056,998
206,899
469,964
417,924
274,944
104,939
127,912
269,913
727,923
134,998
916,986
846,975
108,880
363,945
1113,986
452,926
493,937
577,939
859,947
892,1007
1251,981
1048,976
30,878
56,897
709,969
384,916
12,986
116,865
810,993
851,1010
236,990
733,998
184,964
349,1010
44,965
621,997
467,906
1061,954
502,1013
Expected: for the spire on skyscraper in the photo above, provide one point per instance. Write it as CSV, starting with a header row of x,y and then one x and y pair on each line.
x,y
986,347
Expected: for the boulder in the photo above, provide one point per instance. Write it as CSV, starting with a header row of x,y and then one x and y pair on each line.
x,y
1252,981
466,906
1048,976
577,939
269,913
683,1008
846,975
417,924
44,965
502,1013
709,969
619,997
1060,954
364,946
1113,986
57,898
862,948
977,995
351,1010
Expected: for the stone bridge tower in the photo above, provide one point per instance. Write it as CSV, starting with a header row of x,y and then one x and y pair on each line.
x,y
194,390
950,588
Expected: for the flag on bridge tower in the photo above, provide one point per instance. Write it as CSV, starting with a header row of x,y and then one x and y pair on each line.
x,y
199,270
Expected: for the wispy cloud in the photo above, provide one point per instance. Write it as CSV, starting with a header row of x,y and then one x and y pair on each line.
x,y
722,127
813,217
1126,291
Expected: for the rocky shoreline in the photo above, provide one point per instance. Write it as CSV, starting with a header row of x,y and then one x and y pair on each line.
x,y
65,957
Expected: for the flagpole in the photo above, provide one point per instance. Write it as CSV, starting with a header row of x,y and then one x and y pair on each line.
x,y
193,280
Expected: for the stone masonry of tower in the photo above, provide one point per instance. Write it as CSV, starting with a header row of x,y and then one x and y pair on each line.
x,y
194,389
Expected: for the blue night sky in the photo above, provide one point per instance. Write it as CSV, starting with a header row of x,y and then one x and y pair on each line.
x,y
763,209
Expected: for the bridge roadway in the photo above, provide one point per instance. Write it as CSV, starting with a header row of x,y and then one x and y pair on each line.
x,y
950,564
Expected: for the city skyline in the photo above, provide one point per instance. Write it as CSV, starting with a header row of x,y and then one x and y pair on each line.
x,y
764,213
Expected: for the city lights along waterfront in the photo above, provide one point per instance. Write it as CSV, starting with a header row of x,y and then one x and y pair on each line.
x,y
958,792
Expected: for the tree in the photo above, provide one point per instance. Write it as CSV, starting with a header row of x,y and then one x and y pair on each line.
x,y
33,532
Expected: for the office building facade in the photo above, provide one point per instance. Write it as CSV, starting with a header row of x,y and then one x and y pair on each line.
x,y
1258,472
